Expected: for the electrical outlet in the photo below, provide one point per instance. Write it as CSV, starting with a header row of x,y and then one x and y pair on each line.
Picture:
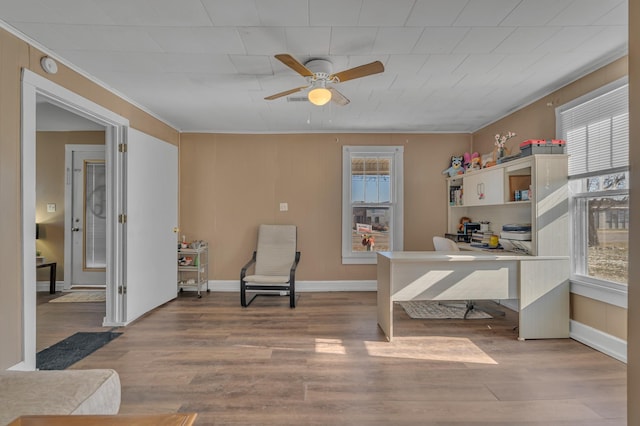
x,y
51,207
284,207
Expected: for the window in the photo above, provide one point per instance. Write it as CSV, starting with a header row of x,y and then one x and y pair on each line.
x,y
596,128
601,227
371,201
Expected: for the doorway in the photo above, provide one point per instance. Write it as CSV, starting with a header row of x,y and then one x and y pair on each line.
x,y
56,131
85,216
35,87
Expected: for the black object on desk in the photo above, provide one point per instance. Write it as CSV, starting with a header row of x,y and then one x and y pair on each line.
x,y
52,275
459,237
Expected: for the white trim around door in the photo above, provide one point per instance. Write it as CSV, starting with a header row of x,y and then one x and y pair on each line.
x,y
36,87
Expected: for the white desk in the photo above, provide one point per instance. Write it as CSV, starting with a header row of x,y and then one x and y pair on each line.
x,y
540,283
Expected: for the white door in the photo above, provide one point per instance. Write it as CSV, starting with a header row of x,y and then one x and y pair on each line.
x,y
88,217
152,218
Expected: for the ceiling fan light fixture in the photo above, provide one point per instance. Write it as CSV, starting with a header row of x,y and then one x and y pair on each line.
x,y
318,73
319,95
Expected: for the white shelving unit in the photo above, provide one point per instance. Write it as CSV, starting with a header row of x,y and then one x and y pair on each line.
x,y
193,268
542,278
488,195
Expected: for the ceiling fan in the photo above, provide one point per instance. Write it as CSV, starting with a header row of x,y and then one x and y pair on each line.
x,y
318,74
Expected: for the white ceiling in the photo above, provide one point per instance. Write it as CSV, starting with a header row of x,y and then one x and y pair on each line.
x,y
206,65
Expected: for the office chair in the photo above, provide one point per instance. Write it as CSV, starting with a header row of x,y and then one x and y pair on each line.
x,y
445,244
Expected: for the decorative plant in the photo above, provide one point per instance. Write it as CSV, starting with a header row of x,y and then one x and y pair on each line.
x,y
502,138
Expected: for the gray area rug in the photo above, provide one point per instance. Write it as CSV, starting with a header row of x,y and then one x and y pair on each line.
x,y
72,349
81,296
428,309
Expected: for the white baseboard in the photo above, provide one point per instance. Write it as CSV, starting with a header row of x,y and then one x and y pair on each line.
x,y
304,286
598,340
234,285
21,366
44,286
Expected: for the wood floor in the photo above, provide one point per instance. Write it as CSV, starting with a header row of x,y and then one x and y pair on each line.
x,y
327,363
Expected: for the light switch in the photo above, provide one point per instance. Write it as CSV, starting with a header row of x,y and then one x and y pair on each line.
x,y
51,207
284,207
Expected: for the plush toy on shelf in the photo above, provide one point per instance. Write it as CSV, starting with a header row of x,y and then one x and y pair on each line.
x,y
463,220
471,161
457,166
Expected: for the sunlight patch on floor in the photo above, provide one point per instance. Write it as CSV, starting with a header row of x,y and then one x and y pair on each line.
x,y
330,346
431,348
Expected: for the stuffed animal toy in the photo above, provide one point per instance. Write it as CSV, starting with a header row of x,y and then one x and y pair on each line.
x,y
471,161
463,220
456,166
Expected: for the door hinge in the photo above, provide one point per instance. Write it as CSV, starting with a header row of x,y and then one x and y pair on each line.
x,y
122,289
122,147
122,218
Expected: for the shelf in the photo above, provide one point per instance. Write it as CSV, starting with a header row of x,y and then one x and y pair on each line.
x,y
545,176
189,268
189,250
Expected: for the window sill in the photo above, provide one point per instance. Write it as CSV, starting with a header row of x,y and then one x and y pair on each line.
x,y
360,260
611,293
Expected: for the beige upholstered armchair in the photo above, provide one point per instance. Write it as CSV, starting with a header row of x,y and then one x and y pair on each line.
x,y
275,261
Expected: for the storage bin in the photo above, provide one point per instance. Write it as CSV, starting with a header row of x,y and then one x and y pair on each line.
x,y
558,146
541,146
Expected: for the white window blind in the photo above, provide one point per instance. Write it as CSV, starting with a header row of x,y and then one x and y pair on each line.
x,y
597,131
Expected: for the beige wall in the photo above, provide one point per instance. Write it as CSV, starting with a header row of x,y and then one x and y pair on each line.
x,y
50,187
16,54
538,121
601,316
633,347
229,184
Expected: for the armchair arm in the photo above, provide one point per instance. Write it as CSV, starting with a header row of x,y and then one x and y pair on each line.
x,y
243,272
294,265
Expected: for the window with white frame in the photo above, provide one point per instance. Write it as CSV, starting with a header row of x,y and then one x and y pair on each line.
x,y
372,198
596,128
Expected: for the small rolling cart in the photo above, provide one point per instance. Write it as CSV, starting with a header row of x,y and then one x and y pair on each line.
x,y
193,266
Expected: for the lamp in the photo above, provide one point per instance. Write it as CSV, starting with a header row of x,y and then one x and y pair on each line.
x,y
319,95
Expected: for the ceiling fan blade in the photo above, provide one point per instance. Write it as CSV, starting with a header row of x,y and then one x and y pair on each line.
x,y
357,72
285,93
338,97
292,63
